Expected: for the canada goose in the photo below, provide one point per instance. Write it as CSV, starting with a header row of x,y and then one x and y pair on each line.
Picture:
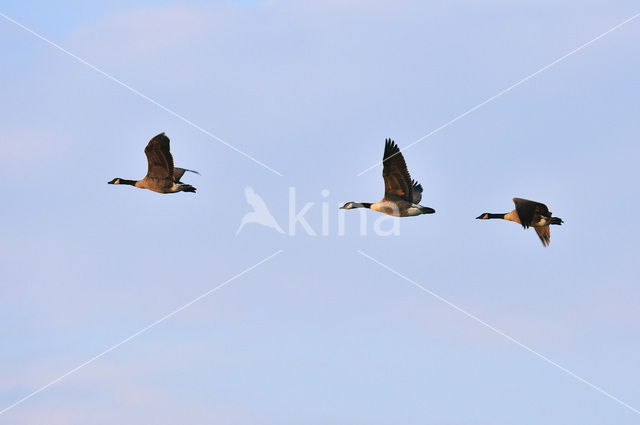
x,y
529,213
401,193
162,176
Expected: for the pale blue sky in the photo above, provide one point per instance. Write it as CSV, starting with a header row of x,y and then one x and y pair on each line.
x,y
319,335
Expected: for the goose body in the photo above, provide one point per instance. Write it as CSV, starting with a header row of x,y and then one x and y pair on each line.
x,y
162,176
402,195
529,214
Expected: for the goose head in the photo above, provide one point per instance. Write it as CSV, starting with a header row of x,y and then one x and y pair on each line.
x,y
352,205
348,206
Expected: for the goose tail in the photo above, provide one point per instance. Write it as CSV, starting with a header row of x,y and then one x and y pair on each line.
x,y
187,188
556,220
427,210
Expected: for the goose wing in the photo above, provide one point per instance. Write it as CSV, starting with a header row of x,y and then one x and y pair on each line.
x,y
397,180
417,192
159,158
179,172
544,234
530,211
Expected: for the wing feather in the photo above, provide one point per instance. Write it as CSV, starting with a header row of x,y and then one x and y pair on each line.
x,y
179,172
417,192
544,233
159,159
397,180
530,212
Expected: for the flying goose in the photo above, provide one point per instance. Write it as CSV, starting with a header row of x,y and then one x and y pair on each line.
x,y
162,176
401,193
529,214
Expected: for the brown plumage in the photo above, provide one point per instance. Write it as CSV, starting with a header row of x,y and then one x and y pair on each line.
x,y
529,214
179,172
397,180
161,176
159,159
544,234
401,193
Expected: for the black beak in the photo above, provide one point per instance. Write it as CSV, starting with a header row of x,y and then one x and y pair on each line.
x,y
480,216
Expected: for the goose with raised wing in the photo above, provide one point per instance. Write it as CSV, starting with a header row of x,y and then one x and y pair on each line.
x,y
529,214
402,194
162,176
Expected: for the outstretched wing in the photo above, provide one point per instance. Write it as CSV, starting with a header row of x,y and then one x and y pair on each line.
x,y
397,181
179,172
417,192
530,211
159,158
544,234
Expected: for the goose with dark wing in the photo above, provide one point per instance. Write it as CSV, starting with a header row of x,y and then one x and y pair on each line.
x,y
402,194
162,176
529,214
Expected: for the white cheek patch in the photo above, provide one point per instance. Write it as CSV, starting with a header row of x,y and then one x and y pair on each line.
x,y
413,211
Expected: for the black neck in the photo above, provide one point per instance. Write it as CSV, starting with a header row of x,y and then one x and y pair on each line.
x,y
495,215
129,182
361,205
